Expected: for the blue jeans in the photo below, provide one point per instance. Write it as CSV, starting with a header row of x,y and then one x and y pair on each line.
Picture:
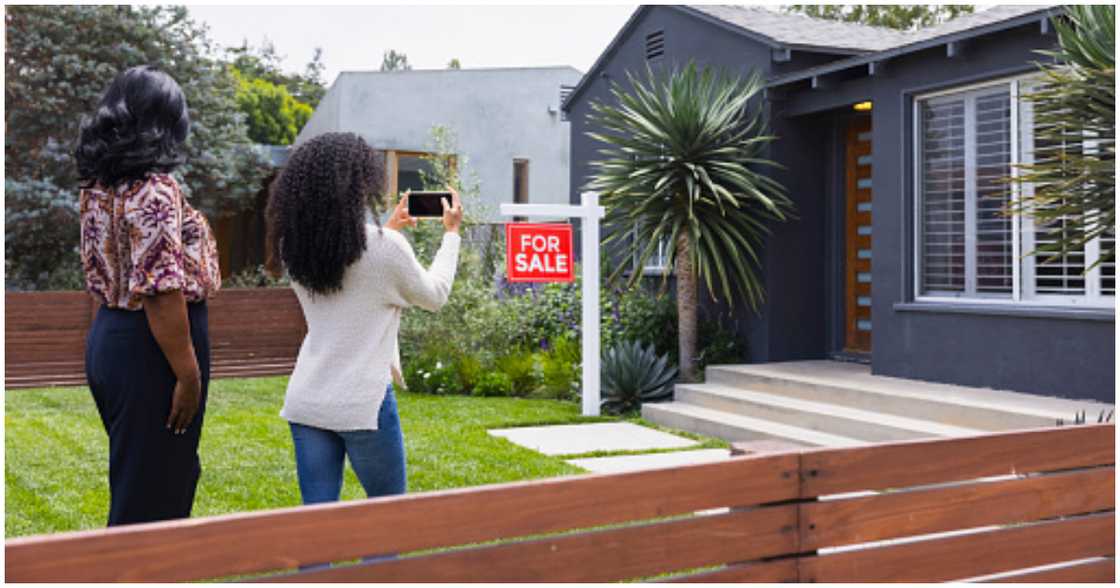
x,y
376,456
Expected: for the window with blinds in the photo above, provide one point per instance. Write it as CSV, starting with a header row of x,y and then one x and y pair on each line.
x,y
943,196
967,146
1108,266
994,256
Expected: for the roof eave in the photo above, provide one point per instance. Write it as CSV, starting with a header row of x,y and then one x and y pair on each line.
x,y
893,52
763,39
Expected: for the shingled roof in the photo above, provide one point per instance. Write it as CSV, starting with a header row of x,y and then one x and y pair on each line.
x,y
971,21
796,30
862,43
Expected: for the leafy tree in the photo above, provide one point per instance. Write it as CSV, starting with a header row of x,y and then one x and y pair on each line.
x,y
264,63
59,59
273,115
680,165
1074,181
393,61
312,87
904,17
454,64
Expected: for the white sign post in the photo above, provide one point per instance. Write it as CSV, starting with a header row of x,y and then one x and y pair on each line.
x,y
589,212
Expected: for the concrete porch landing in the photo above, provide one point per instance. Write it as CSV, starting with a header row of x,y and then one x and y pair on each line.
x,y
836,404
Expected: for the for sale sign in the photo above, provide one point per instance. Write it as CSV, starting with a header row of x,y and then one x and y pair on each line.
x,y
539,252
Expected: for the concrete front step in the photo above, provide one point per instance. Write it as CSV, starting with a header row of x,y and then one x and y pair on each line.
x,y
817,416
853,386
734,427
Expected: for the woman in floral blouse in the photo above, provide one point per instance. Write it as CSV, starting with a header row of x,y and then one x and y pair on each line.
x,y
151,260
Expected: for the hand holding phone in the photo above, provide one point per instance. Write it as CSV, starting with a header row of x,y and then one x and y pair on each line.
x,y
400,218
426,204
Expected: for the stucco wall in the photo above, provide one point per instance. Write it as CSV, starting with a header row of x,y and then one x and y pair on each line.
x,y
1058,353
497,115
1072,356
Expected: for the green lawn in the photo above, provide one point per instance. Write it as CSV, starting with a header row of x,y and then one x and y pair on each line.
x,y
56,452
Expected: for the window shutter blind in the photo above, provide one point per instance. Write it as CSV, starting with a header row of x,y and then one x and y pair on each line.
x,y
994,257
943,196
1056,272
1108,268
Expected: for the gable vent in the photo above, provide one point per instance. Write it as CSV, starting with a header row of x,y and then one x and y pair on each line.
x,y
655,45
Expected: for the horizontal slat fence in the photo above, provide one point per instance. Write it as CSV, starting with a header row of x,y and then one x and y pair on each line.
x,y
1017,501
253,332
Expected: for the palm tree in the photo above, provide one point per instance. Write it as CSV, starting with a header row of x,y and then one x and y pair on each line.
x,y
1074,178
682,167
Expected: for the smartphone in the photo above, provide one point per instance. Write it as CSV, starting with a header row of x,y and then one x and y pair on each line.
x,y
427,204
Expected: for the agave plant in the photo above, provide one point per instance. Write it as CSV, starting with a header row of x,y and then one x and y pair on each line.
x,y
683,166
631,373
1075,107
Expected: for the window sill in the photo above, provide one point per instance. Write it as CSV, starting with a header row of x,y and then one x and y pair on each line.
x,y
649,273
1083,314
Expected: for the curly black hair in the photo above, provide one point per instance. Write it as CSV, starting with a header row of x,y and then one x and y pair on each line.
x,y
317,208
138,128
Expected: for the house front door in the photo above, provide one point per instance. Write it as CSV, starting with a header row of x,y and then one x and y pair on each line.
x,y
857,236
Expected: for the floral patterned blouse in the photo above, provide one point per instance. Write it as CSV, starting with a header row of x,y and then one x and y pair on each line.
x,y
142,238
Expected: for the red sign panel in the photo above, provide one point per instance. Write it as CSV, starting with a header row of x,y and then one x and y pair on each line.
x,y
539,252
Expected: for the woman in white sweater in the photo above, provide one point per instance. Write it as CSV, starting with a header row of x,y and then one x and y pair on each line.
x,y
352,279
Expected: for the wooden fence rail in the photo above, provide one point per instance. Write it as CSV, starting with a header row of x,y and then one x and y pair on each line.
x,y
253,332
1014,502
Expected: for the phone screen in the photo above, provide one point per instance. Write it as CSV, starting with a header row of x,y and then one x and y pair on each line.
x,y
427,204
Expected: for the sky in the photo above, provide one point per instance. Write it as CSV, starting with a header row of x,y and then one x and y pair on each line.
x,y
355,37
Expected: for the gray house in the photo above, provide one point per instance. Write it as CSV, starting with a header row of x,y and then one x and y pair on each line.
x,y
893,143
507,122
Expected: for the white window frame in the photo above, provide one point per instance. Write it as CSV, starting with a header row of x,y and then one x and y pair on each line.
x,y
655,263
1022,226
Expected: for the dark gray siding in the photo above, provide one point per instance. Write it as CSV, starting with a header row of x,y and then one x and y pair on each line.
x,y
1057,353
686,38
1070,357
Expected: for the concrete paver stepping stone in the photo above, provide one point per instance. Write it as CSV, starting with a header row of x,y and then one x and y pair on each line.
x,y
629,463
573,439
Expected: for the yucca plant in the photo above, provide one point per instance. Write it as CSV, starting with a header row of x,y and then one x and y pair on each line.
x,y
630,374
1074,178
684,163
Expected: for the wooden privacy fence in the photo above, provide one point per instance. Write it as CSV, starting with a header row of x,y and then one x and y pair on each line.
x,y
1030,499
253,332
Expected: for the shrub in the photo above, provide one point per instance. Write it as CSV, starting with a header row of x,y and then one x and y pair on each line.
x,y
469,370
560,375
718,344
255,277
633,373
521,369
638,314
494,384
429,375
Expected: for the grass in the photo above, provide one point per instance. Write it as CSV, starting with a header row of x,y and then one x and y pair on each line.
x,y
56,452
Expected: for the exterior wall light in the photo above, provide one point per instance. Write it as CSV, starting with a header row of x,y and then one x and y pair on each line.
x,y
862,106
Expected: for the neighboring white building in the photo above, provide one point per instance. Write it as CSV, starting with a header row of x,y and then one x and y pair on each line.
x,y
507,122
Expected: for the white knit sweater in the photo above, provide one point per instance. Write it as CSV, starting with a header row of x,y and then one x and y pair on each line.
x,y
344,363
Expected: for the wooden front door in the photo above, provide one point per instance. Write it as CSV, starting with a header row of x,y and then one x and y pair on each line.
x,y
857,258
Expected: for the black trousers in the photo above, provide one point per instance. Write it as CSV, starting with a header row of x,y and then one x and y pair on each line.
x,y
153,473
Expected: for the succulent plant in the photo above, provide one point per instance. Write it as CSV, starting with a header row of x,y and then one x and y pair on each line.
x,y
631,374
